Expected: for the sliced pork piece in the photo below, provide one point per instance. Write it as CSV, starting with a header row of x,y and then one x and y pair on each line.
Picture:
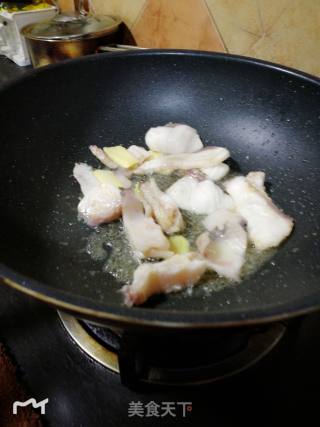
x,y
172,275
173,138
267,225
101,155
163,207
146,237
218,219
83,173
200,197
196,174
140,153
101,202
205,158
224,246
123,176
215,173
257,180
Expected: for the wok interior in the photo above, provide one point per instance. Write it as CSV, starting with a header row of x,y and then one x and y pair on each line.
x,y
268,119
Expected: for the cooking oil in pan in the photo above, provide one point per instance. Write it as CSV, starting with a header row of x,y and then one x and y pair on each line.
x,y
109,244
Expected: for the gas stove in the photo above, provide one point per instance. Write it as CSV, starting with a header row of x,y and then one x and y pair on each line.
x,y
172,358
94,376
82,391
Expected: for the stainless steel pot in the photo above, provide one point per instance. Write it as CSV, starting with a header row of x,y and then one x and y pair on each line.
x,y
69,36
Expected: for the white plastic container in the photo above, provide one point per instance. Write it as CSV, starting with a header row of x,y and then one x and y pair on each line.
x,y
12,43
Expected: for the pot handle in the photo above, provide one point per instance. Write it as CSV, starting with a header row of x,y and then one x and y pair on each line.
x,y
81,7
119,48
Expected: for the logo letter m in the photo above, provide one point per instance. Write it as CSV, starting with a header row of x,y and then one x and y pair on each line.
x,y
33,402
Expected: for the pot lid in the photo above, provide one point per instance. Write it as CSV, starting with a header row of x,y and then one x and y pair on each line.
x,y
71,26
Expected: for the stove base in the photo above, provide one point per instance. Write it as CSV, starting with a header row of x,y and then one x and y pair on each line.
x,y
259,342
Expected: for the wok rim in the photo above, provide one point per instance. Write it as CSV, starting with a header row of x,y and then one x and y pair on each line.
x,y
155,317
33,72
123,316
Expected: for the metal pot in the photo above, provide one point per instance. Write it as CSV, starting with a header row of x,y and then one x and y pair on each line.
x,y
69,36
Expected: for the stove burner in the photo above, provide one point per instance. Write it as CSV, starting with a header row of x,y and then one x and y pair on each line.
x,y
176,357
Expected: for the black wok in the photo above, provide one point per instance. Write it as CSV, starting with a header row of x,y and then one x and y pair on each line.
x,y
267,115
